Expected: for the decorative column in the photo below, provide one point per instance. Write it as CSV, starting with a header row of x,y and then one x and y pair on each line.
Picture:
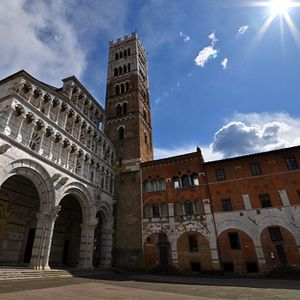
x,y
173,235
212,235
43,239
87,244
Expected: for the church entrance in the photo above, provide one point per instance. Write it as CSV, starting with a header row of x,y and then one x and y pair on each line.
x,y
19,204
65,246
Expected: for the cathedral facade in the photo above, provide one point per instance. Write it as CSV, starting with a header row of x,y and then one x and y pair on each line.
x,y
80,187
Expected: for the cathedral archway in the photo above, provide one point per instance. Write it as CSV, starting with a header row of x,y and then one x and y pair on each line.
x,y
20,204
65,248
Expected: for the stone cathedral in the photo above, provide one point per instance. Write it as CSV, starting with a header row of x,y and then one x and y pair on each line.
x,y
79,186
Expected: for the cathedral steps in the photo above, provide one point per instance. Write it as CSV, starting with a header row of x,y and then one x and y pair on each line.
x,y
26,273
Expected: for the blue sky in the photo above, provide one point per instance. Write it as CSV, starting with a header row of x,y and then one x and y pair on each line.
x,y
249,103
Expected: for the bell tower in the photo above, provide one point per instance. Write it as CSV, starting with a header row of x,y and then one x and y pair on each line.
x,y
128,126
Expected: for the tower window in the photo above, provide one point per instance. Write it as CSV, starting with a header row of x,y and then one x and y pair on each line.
x,y
124,108
122,88
127,86
116,56
121,55
120,70
119,110
128,67
117,89
121,133
128,51
116,71
195,179
124,69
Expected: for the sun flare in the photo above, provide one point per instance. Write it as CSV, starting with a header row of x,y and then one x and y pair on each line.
x,y
280,7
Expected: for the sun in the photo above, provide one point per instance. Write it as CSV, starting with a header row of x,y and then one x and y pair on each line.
x,y
280,7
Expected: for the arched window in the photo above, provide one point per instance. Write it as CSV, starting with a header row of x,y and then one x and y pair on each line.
x,y
147,186
188,208
185,180
117,88
119,110
154,186
155,211
195,179
116,71
125,53
121,133
128,67
162,184
127,86
128,51
124,69
116,56
121,54
122,88
176,182
124,108
120,70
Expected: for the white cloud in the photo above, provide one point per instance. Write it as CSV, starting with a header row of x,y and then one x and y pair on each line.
x,y
185,37
208,52
250,133
213,38
242,30
39,38
204,55
207,152
224,63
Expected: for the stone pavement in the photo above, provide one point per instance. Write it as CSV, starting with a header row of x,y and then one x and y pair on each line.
x,y
125,286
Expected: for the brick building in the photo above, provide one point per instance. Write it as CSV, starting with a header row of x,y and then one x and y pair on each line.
x,y
237,215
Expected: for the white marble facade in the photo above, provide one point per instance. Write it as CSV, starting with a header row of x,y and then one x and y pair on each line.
x,y
54,138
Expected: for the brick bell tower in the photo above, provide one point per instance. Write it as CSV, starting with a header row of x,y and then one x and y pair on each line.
x,y
128,126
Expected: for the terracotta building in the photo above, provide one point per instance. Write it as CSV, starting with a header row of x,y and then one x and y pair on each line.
x,y
235,215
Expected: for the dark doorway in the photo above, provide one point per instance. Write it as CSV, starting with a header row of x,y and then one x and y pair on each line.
x,y
281,254
66,252
163,247
20,203
29,246
65,247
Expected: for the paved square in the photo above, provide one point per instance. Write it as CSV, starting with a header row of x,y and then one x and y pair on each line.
x,y
111,286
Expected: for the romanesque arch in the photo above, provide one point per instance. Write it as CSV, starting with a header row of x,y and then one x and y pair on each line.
x,y
237,250
34,175
38,175
194,252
